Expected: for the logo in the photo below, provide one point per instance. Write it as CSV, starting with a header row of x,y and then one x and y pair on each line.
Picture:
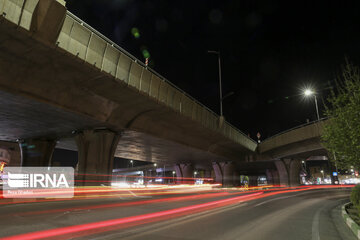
x,y
38,182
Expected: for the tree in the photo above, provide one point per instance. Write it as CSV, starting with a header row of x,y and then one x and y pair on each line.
x,y
341,135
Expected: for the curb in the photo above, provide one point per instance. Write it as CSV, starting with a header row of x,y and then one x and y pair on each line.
x,y
351,224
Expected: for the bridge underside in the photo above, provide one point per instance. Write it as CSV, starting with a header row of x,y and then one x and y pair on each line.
x,y
24,118
143,147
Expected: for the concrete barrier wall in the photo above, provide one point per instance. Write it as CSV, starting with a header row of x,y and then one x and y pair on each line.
x,y
293,136
79,39
18,11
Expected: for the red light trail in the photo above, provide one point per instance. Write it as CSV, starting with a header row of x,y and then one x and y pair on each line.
x,y
113,224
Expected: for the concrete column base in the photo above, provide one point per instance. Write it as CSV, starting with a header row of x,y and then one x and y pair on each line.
x,y
269,177
15,154
289,172
36,152
96,149
224,173
184,170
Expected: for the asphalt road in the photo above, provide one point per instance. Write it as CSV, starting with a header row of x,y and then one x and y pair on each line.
x,y
227,214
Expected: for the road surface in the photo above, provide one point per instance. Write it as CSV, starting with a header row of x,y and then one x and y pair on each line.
x,y
300,213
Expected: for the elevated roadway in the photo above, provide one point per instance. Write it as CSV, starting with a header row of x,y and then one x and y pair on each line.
x,y
64,84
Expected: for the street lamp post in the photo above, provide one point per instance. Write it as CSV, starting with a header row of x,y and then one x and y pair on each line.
x,y
195,173
304,164
132,163
309,92
322,172
220,84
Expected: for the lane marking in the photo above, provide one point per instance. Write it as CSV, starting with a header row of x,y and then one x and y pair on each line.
x,y
159,226
279,198
315,234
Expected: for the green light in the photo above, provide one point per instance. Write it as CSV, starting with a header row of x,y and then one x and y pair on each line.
x,y
135,32
146,53
286,97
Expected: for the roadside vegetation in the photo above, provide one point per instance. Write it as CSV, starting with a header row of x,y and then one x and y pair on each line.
x,y
354,208
341,136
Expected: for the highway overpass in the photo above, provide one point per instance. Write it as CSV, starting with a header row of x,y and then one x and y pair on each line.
x,y
63,83
288,149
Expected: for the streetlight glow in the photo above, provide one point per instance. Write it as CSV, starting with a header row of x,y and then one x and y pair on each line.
x,y
308,92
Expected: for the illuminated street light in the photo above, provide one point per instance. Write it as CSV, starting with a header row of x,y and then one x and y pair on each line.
x,y
173,173
304,164
308,93
322,172
155,164
132,163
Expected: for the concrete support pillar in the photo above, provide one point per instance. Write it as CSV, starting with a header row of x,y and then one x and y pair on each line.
x,y
276,178
36,152
289,172
282,172
294,172
15,154
269,177
96,149
253,181
184,170
224,173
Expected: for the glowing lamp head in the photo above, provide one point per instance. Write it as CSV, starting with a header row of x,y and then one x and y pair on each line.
x,y
308,92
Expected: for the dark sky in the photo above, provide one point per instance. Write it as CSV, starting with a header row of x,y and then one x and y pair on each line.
x,y
270,50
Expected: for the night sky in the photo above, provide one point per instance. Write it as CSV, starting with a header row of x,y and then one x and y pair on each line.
x,y
270,51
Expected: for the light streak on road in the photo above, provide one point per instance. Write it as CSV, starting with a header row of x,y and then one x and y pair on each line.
x,y
127,204
114,224
96,227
